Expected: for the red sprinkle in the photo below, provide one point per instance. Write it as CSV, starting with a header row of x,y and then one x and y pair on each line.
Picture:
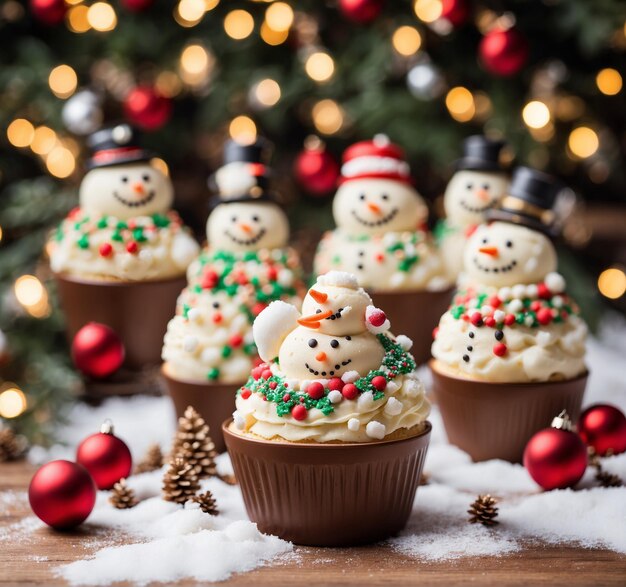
x,y
465,317
245,393
209,280
476,319
236,340
499,349
535,306
349,391
273,384
379,382
286,397
490,321
315,390
256,372
132,247
509,319
543,291
377,318
266,374
74,213
132,224
544,316
105,250
217,317
335,384
495,302
258,308
272,273
299,412
379,257
435,331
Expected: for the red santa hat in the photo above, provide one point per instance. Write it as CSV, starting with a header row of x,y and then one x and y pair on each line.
x,y
377,159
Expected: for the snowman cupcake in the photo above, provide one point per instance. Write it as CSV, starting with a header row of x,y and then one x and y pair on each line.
x,y
208,348
331,416
476,187
510,351
120,257
382,238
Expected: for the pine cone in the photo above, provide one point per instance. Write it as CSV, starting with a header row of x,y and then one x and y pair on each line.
x,y
207,503
607,479
123,497
180,482
152,461
193,443
12,446
483,510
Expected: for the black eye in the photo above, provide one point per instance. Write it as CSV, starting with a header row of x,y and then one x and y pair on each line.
x,y
124,179
146,178
234,218
216,305
318,311
334,343
312,343
509,244
255,218
470,186
485,186
484,241
348,338
362,197
385,197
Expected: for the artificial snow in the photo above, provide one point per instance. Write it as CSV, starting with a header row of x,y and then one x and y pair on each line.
x,y
164,542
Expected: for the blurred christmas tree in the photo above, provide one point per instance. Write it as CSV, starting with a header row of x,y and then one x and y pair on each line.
x,y
544,75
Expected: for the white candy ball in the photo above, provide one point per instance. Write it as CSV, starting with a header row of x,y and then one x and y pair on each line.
x,y
555,282
375,430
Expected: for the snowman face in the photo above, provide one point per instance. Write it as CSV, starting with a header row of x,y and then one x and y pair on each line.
x,y
503,254
470,194
377,206
308,354
342,310
247,226
126,191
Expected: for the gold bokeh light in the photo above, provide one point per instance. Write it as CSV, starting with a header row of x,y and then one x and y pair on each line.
x,y
44,140
20,132
267,92
12,403
279,16
406,40
102,17
243,130
583,142
327,116
60,162
238,24
612,283
536,114
63,81
460,104
428,10
609,81
273,37
319,66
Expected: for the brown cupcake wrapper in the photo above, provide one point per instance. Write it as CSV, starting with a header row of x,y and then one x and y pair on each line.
x,y
213,401
496,420
415,314
138,311
328,494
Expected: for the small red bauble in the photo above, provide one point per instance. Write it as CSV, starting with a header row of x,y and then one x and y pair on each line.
x,y
603,427
137,5
361,11
377,318
245,393
349,391
379,382
97,350
105,250
132,247
315,390
299,412
556,457
146,108
499,349
335,384
316,170
49,12
455,12
503,52
105,456
62,494
544,316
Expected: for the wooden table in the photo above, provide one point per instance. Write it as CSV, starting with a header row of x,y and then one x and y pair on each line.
x,y
33,562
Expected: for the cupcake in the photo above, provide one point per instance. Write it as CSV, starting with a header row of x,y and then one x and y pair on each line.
x,y
120,258
510,351
381,238
208,349
476,187
332,425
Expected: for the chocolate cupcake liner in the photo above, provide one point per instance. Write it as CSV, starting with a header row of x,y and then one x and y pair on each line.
x,y
328,494
213,401
415,314
496,420
137,311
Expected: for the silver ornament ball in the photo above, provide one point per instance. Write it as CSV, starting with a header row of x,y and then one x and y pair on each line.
x,y
82,113
425,81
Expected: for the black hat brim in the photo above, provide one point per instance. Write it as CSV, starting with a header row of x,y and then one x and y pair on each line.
x,y
468,164
140,157
263,198
520,219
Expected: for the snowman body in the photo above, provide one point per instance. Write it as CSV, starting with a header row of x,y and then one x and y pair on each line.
x,y
470,194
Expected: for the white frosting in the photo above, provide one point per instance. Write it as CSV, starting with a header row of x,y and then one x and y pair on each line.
x,y
272,326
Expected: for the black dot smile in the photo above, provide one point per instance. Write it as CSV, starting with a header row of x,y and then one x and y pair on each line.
x,y
380,222
336,315
135,203
246,242
476,209
324,373
501,269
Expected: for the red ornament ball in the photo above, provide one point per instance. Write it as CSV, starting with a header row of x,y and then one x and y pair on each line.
x,y
62,494
377,318
379,382
299,412
146,108
335,384
361,11
315,390
137,5
48,12
105,456
97,350
455,12
555,458
350,391
316,170
503,52
603,427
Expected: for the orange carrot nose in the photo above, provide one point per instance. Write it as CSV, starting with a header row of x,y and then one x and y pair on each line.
x,y
321,356
246,228
318,296
138,188
493,251
313,321
482,195
374,207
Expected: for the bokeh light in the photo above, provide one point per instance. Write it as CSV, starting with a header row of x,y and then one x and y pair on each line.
x,y
583,142
609,81
460,104
428,10
77,19
12,403
63,81
102,17
44,140
20,132
243,130
238,24
267,92
319,66
273,37
60,162
196,64
279,16
327,116
536,114
612,283
406,40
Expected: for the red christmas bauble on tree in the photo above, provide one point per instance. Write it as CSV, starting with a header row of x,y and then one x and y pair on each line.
x,y
62,494
556,457
503,52
316,170
137,5
146,108
603,427
105,456
97,350
49,12
361,11
455,12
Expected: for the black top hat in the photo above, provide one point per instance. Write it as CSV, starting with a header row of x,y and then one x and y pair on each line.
x,y
530,200
115,146
480,154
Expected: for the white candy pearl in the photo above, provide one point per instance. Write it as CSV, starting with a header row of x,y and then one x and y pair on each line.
x,y
505,293
353,425
194,314
532,291
334,397
515,306
190,343
555,282
499,315
519,291
375,430
393,407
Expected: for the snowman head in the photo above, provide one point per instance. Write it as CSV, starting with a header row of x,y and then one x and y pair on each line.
x,y
336,305
247,226
471,193
505,254
126,190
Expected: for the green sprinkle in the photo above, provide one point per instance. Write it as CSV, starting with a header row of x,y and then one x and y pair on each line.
x,y
83,242
226,351
213,374
160,220
117,236
103,222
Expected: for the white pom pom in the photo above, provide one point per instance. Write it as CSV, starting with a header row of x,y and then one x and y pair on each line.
x,y
334,397
555,282
193,315
190,343
184,249
375,430
376,321
519,291
350,376
339,279
404,341
353,425
272,326
393,407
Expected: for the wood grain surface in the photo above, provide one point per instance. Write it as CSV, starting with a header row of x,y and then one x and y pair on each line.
x,y
32,561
